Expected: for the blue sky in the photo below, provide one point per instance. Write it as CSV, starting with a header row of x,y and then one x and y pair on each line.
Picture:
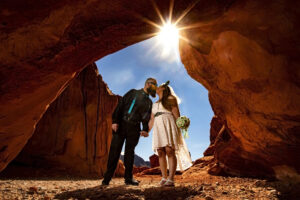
x,y
130,67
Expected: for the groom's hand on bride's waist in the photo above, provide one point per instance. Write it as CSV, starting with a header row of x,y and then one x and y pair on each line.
x,y
144,133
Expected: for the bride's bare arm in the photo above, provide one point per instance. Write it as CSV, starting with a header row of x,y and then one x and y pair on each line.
x,y
175,107
150,124
175,112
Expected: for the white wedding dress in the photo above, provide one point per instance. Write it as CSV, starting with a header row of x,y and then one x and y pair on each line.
x,y
166,133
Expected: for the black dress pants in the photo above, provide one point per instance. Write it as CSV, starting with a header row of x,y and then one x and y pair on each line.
x,y
127,132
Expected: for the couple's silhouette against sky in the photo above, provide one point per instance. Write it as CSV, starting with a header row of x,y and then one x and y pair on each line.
x,y
130,67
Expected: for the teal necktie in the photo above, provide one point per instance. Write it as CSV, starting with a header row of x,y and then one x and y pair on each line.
x,y
131,106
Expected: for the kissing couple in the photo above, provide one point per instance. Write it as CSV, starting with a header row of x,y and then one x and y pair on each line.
x,y
167,141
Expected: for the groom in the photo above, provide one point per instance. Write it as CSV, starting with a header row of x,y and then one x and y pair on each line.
x,y
134,108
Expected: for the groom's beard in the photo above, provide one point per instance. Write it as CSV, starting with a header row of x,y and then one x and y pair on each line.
x,y
151,92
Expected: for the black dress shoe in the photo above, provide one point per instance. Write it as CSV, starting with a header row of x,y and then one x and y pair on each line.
x,y
131,182
105,182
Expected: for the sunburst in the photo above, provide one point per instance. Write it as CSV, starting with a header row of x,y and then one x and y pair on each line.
x,y
169,34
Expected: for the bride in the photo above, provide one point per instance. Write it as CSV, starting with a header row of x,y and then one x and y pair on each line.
x,y
167,140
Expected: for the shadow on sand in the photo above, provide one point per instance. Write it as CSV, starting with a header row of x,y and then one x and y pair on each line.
x,y
132,192
22,172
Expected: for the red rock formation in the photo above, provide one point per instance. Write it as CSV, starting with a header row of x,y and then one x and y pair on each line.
x,y
215,127
197,169
120,170
151,171
245,53
74,134
137,170
154,161
247,57
43,46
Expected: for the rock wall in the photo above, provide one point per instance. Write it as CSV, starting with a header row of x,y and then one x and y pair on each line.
x,y
75,132
44,44
248,59
216,126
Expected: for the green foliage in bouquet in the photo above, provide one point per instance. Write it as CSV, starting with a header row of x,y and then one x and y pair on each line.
x,y
183,123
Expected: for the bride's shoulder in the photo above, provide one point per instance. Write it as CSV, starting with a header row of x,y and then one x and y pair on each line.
x,y
172,100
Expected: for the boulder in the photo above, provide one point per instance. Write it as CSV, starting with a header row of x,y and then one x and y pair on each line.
x,y
154,161
137,170
120,170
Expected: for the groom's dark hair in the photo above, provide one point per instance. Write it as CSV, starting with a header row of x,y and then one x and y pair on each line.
x,y
150,80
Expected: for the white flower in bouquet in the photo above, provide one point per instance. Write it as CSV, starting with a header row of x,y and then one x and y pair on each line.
x,y
183,123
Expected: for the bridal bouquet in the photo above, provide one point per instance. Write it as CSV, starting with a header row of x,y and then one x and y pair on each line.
x,y
183,123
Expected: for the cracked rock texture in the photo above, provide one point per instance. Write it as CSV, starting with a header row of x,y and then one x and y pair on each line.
x,y
75,132
248,59
44,45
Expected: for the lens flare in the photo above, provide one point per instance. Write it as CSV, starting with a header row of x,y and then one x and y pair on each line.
x,y
169,36
168,39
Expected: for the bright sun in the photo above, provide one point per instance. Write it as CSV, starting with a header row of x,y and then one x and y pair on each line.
x,y
168,39
169,36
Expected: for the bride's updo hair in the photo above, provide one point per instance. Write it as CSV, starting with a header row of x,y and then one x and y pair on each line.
x,y
168,100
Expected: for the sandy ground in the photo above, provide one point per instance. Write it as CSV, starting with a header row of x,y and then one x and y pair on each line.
x,y
210,187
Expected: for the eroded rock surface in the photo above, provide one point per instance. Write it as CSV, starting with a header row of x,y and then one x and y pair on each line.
x,y
154,161
248,60
44,45
216,126
75,132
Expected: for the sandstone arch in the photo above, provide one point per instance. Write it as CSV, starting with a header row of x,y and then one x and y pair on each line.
x,y
244,52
